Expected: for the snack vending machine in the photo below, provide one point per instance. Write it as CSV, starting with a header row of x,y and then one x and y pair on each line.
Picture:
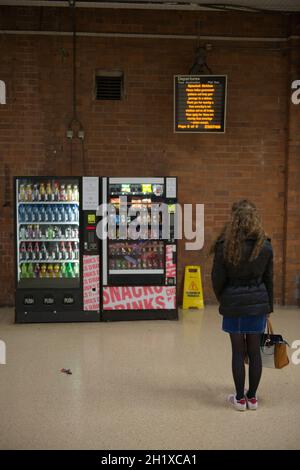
x,y
139,272
57,251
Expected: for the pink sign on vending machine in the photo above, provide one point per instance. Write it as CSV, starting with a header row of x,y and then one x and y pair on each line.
x,y
91,283
139,298
170,265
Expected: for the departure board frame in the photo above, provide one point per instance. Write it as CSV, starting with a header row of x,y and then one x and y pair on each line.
x,y
221,81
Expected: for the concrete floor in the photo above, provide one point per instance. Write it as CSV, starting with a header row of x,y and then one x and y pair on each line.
x,y
139,385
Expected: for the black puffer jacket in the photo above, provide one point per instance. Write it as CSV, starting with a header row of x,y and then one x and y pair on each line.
x,y
246,289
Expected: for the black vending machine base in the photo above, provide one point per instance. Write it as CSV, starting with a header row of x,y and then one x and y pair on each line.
x,y
57,317
127,315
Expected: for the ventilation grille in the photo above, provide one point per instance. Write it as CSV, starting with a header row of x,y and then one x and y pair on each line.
x,y
109,87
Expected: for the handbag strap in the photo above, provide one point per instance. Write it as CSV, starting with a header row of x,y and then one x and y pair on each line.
x,y
269,327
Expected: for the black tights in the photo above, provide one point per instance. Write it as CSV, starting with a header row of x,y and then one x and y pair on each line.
x,y
242,345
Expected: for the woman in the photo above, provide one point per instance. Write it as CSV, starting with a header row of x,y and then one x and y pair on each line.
x,y
242,278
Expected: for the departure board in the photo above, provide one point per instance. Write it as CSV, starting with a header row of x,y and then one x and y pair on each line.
x,y
199,103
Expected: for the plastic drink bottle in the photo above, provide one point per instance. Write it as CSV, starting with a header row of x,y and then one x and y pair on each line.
x,y
22,193
55,192
76,269
42,214
70,252
44,253
66,211
50,270
51,215
63,270
24,270
29,231
43,271
21,213
35,193
39,214
56,271
70,271
42,192
26,215
23,252
28,193
37,271
75,193
56,213
30,251
69,194
48,192
22,233
37,251
62,214
30,270
34,213
30,214
68,232
76,250
46,213
71,215
37,231
63,250
62,193
57,253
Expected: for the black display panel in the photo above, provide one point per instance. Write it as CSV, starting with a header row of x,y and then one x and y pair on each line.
x,y
200,103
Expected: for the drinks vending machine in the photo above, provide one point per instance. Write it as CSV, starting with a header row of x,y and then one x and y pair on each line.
x,y
57,251
68,270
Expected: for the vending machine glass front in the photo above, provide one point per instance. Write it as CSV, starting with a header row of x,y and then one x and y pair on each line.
x,y
47,226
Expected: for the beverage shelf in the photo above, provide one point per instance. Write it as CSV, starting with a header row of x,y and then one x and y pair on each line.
x,y
44,240
48,202
47,278
52,261
47,223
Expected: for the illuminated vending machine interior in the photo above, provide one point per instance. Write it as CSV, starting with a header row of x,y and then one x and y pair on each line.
x,y
54,217
139,252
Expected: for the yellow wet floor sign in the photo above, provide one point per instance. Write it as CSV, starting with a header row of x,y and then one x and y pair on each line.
x,y
192,291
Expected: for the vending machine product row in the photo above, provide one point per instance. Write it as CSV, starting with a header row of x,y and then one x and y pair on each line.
x,y
71,266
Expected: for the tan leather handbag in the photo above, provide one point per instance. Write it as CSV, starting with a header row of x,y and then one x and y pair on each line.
x,y
273,349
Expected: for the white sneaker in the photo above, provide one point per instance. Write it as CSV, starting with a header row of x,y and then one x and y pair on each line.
x,y
252,403
239,405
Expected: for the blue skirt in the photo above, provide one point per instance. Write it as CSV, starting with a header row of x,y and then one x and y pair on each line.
x,y
248,324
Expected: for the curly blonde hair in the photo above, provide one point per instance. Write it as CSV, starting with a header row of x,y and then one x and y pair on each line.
x,y
236,205
245,222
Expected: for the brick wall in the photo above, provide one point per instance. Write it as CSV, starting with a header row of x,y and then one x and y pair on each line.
x,y
134,137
